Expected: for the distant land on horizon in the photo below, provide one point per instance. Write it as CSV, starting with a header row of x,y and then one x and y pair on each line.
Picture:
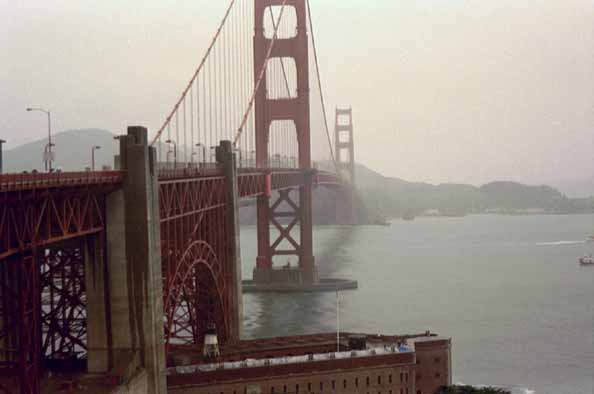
x,y
389,196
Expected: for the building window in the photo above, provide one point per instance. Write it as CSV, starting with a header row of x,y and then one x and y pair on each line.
x,y
401,377
272,390
321,386
390,378
406,377
333,385
401,391
367,380
356,382
296,388
379,380
419,376
437,375
284,389
418,391
437,359
309,387
344,384
407,390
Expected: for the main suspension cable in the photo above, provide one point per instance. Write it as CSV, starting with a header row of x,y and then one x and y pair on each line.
x,y
313,42
260,76
202,62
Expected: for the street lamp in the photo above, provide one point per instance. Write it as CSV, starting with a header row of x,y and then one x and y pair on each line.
x,y
174,152
213,153
238,150
48,148
198,145
1,142
93,149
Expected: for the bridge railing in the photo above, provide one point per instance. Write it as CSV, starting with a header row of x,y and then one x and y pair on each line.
x,y
29,181
206,170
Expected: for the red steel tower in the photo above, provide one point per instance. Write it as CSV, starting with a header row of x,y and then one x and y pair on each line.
x,y
288,210
345,161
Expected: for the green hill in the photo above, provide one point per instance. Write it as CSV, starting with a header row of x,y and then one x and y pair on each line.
x,y
396,197
72,151
392,197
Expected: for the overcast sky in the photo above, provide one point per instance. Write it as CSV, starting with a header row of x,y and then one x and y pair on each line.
x,y
442,90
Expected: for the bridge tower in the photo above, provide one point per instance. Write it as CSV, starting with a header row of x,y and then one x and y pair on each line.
x,y
287,211
345,159
344,144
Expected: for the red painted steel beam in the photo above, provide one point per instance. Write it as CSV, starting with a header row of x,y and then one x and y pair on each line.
x,y
16,182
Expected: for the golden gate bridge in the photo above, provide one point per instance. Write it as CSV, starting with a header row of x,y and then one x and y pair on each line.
x,y
106,269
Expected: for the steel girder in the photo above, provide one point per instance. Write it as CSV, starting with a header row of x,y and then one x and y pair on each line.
x,y
195,249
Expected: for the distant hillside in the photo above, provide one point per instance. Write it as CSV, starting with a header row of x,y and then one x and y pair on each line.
x,y
72,151
396,197
388,196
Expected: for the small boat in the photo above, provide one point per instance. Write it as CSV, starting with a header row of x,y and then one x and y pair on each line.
x,y
408,216
586,260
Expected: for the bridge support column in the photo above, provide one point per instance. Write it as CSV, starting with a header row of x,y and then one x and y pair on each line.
x,y
346,212
227,159
134,264
307,265
287,211
97,324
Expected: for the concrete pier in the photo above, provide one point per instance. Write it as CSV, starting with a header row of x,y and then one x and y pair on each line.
x,y
134,267
226,157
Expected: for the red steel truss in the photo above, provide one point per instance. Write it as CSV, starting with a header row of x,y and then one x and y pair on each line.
x,y
44,220
42,308
194,252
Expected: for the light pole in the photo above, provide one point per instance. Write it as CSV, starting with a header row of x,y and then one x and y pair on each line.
x,y
93,149
48,152
239,156
174,152
213,153
1,142
198,145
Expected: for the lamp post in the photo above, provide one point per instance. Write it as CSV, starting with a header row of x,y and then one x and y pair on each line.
x,y
198,145
1,142
48,152
239,156
213,153
171,142
93,149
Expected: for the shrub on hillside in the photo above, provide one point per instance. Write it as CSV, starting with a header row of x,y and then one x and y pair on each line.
x,y
471,390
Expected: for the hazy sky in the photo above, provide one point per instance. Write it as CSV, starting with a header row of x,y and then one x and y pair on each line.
x,y
443,90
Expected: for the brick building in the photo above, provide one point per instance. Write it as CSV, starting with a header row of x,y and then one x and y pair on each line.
x,y
417,364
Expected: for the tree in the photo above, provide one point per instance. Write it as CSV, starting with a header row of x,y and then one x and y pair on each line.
x,y
471,390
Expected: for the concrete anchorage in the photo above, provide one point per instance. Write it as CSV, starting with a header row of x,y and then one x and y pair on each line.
x,y
226,158
135,295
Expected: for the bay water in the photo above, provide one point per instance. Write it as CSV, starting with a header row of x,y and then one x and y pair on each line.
x,y
508,290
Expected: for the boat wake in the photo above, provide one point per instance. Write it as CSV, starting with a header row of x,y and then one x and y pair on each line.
x,y
560,243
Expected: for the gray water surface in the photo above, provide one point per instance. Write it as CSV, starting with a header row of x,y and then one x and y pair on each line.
x,y
507,289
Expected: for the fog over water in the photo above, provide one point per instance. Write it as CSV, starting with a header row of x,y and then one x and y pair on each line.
x,y
443,90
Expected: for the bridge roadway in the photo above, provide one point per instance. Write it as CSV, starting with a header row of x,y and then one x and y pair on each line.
x,y
34,193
